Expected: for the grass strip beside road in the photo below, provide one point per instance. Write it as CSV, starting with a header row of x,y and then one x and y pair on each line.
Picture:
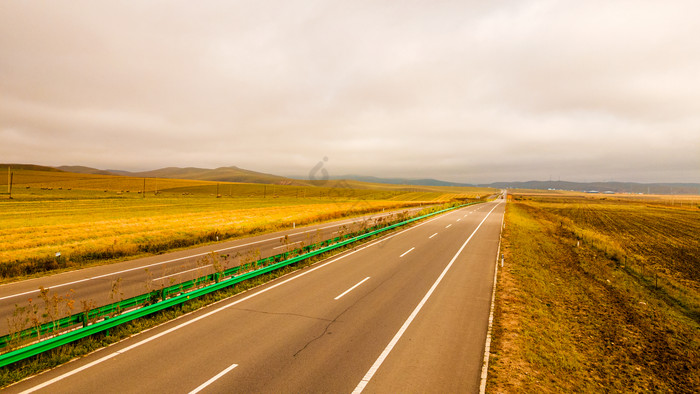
x,y
592,298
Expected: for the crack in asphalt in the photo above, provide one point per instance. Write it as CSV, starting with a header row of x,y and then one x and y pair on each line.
x,y
325,330
328,326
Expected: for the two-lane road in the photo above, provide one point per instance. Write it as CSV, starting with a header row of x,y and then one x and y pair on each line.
x,y
405,313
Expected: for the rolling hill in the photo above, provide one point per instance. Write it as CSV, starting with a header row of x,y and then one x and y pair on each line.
x,y
221,174
31,167
84,170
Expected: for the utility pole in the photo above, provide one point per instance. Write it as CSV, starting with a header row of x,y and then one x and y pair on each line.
x,y
144,187
156,192
9,189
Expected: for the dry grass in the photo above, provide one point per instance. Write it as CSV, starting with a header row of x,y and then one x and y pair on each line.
x,y
98,230
597,295
30,184
688,201
94,219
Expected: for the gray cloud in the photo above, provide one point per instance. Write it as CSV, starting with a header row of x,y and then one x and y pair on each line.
x,y
466,91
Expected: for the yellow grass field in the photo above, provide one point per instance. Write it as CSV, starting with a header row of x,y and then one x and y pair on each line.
x,y
94,219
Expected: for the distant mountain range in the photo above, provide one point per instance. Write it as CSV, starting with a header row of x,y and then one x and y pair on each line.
x,y
617,187
401,181
236,174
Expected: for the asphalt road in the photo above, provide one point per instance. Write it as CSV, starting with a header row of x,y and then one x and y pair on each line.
x,y
405,313
96,285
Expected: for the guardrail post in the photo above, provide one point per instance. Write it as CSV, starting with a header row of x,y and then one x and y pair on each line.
x,y
107,330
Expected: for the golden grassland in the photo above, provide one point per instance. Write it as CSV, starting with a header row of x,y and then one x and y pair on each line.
x,y
597,294
28,183
30,238
677,200
92,219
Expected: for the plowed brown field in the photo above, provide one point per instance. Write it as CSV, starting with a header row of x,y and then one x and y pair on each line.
x,y
597,295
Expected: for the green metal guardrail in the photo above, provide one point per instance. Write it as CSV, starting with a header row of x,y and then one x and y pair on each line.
x,y
154,296
158,299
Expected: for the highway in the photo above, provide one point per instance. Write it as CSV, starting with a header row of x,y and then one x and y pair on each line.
x,y
95,284
407,312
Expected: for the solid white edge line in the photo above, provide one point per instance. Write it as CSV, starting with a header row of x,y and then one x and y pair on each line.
x,y
407,252
173,260
214,379
73,372
430,237
373,369
352,288
487,345
217,310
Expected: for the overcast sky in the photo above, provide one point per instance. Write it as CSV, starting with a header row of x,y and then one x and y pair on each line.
x,y
468,91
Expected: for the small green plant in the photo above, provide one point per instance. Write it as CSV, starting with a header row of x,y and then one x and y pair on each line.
x,y
285,242
16,324
116,295
148,284
86,307
34,317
